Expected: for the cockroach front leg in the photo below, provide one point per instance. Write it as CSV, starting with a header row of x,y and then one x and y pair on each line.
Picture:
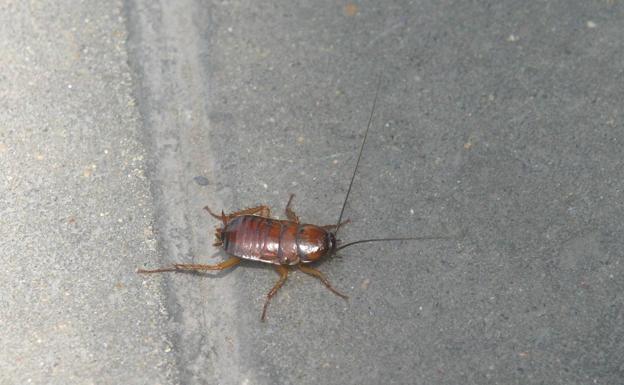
x,y
283,272
231,262
315,273
290,214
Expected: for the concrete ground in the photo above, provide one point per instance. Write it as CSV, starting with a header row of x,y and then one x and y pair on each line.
x,y
498,124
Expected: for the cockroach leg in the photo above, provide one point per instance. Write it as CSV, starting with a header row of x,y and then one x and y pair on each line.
x,y
290,214
315,273
263,211
331,227
283,272
233,261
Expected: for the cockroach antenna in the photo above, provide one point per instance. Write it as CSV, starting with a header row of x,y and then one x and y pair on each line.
x,y
357,163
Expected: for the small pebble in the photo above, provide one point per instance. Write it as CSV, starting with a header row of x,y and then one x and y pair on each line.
x,y
200,180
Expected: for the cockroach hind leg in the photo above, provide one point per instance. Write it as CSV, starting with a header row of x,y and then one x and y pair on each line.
x,y
283,272
231,262
315,273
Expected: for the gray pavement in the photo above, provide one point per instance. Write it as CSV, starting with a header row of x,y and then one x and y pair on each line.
x,y
75,204
498,123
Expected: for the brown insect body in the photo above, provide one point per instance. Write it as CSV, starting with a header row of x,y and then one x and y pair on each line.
x,y
275,241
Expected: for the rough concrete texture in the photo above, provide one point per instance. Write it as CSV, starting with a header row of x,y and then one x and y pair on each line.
x,y
499,123
75,204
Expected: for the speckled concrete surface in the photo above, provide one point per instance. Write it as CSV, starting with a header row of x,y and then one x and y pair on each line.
x,y
75,204
498,122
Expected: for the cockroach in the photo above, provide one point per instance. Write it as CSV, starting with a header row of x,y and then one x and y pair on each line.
x,y
252,234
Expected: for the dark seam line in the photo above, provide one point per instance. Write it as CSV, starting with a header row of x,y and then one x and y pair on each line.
x,y
280,252
253,242
297,242
267,223
262,236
